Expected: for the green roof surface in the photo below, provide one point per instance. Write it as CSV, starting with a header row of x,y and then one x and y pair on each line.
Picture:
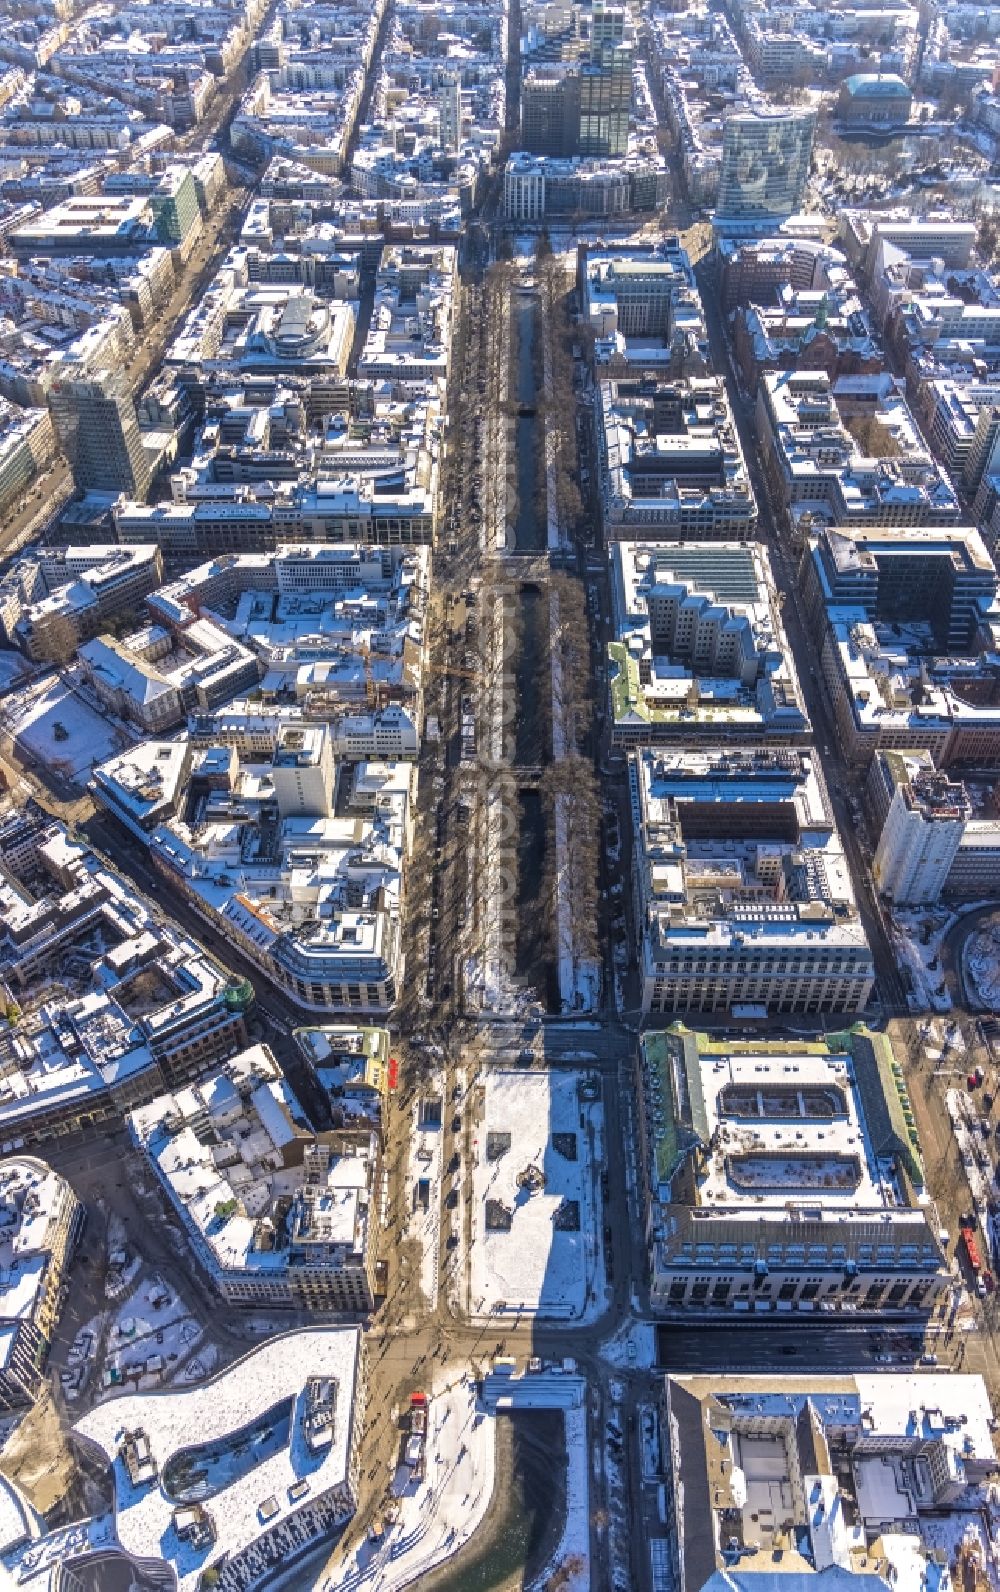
x,y
676,1055
876,87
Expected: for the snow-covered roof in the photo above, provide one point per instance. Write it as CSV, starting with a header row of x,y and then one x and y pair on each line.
x,y
213,1416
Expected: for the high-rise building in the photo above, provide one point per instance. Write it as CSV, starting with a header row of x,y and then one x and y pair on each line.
x,y
922,832
606,85
582,107
99,433
175,205
302,771
550,110
984,452
765,163
450,115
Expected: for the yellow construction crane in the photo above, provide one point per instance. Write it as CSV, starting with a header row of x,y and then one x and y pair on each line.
x,y
374,691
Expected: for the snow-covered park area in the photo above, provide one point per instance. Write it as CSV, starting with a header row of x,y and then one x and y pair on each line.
x,y
152,1339
982,965
536,1228
51,721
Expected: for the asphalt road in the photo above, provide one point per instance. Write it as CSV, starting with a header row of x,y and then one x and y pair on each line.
x,y
401,1356
48,496
791,1348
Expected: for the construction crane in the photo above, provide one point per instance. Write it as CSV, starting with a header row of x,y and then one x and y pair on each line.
x,y
445,668
374,691
371,688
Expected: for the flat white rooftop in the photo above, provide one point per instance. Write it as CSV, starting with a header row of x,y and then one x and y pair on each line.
x,y
209,1420
819,1148
535,1169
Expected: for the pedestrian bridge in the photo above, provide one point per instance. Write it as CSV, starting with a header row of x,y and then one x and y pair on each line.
x,y
551,1388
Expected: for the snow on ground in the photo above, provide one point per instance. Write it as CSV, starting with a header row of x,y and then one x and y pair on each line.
x,y
613,1460
917,937
943,1041
200,1365
440,1512
422,1185
525,1174
12,667
633,1346
117,1282
153,1325
981,954
572,1555
52,722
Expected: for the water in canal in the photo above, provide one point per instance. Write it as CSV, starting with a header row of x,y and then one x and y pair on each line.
x,y
525,1519
530,526
531,669
522,1525
528,613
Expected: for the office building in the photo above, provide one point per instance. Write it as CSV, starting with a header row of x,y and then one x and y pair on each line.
x,y
100,1029
848,454
643,307
98,428
88,224
825,1479
550,110
40,1222
755,270
27,443
906,628
450,114
921,835
302,772
765,164
154,679
313,893
948,849
276,1215
606,88
782,1176
670,462
938,576
582,106
173,200
937,236
742,898
700,652
538,187
80,588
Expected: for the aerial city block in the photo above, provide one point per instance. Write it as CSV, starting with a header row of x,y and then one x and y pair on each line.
x,y
499,796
